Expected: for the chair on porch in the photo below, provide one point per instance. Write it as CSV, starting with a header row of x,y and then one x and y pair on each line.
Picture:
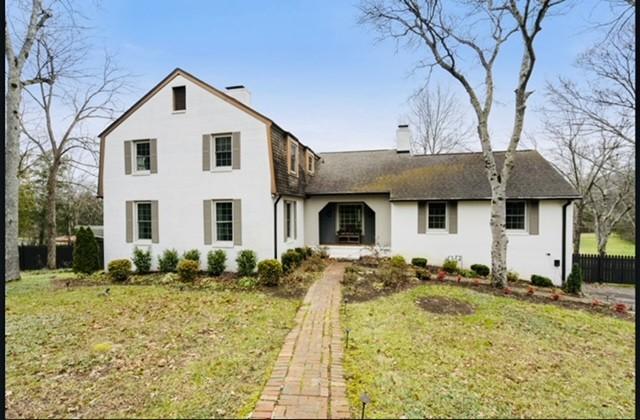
x,y
350,234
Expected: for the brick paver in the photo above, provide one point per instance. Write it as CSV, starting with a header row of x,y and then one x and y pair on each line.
x,y
307,380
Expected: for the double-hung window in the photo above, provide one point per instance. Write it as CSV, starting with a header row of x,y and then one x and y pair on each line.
x,y
223,216
350,218
293,157
142,156
310,163
222,151
516,215
437,218
143,218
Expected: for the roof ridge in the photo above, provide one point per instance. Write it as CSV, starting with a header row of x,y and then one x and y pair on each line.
x,y
422,155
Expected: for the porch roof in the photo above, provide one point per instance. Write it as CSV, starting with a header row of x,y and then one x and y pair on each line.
x,y
454,176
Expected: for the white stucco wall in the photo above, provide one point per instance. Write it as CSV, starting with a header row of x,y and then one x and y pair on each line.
x,y
299,240
378,203
180,185
526,254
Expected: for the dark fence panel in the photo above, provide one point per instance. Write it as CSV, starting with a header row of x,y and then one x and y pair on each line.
x,y
607,269
34,257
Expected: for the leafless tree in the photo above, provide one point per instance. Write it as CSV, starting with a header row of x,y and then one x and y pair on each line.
x,y
451,33
18,46
439,121
73,96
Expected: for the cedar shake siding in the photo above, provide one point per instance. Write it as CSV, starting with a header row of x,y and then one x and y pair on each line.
x,y
286,183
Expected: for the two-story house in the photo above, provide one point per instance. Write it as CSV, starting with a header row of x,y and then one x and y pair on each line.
x,y
190,166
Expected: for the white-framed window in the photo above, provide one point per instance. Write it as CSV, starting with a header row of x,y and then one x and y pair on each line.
x,y
311,163
292,159
516,216
143,220
142,156
222,152
351,218
437,216
223,221
290,221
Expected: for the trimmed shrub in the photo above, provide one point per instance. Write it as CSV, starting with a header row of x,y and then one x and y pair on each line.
x,y
450,266
398,261
119,270
142,260
246,262
512,276
419,262
290,260
308,251
216,262
85,252
423,274
269,272
192,255
188,269
574,281
467,273
541,281
481,269
168,262
302,252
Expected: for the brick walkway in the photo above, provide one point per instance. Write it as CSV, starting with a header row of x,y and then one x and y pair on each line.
x,y
307,380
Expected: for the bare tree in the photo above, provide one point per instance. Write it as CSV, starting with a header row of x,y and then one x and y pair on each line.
x,y
439,122
453,31
16,57
73,96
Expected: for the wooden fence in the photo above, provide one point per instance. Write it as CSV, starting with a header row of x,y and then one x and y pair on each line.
x,y
34,257
607,269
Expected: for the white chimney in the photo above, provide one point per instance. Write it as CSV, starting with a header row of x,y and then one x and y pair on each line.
x,y
403,139
240,93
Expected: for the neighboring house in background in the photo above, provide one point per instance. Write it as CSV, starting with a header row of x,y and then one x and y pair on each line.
x,y
190,166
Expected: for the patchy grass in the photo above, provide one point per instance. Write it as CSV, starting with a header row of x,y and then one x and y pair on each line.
x,y
141,351
508,359
615,246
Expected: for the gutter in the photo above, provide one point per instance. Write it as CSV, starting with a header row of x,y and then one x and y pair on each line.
x,y
564,240
275,227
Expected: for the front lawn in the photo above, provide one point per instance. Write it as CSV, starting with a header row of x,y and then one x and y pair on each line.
x,y
615,245
507,359
140,351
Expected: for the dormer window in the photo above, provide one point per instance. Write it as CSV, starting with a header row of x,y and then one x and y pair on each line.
x,y
293,157
311,163
179,98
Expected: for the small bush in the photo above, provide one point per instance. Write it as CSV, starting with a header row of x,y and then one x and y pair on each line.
x,y
248,283
313,264
85,252
192,255
398,261
441,275
423,274
620,308
246,261
531,290
216,262
269,272
188,269
168,262
541,281
450,266
467,273
302,252
119,270
142,260
512,276
574,281
323,251
481,269
419,262
308,251
290,260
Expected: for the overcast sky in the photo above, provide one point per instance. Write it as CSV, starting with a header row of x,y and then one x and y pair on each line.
x,y
310,66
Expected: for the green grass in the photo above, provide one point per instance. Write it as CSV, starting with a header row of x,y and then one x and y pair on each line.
x,y
145,351
508,359
615,246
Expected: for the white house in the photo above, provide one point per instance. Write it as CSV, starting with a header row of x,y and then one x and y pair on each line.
x,y
190,166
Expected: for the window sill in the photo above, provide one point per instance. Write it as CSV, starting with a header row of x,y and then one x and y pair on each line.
x,y
143,242
181,111
437,232
222,169
517,232
141,173
226,244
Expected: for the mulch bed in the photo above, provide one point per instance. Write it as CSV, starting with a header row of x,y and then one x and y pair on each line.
x,y
445,306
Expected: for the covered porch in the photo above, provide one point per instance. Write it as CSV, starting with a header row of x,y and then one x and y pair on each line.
x,y
348,223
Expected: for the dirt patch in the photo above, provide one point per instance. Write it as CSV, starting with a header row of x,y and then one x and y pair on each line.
x,y
363,283
445,306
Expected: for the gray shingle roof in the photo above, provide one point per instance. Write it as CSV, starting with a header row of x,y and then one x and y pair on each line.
x,y
446,176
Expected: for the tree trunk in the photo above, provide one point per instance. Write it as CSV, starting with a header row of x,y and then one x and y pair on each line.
x,y
577,226
499,238
12,158
51,215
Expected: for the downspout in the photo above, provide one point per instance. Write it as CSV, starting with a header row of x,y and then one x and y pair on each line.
x,y
564,240
275,227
